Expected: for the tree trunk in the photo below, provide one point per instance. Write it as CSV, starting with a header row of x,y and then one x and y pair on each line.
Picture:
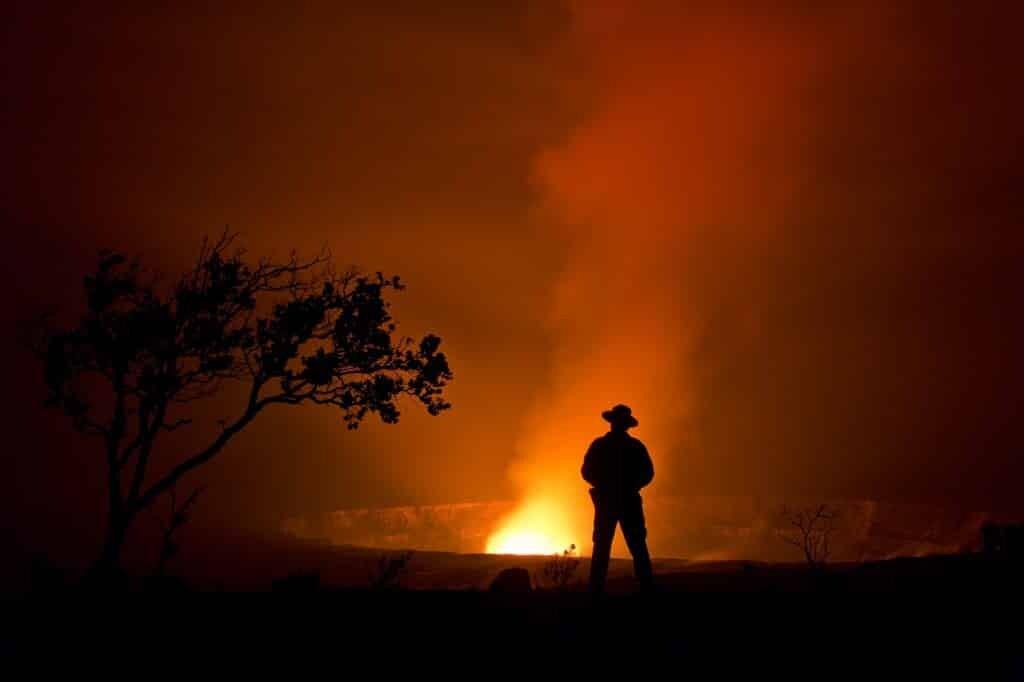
x,y
106,571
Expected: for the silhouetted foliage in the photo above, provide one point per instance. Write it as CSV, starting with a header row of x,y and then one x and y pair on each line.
x,y
288,332
810,529
387,573
1003,540
170,543
560,569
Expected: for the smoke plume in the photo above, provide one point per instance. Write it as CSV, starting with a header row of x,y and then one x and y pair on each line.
x,y
708,145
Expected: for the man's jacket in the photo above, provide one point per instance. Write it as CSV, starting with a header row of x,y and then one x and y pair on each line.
x,y
617,464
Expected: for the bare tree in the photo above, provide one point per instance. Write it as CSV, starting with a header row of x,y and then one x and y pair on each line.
x,y
143,355
810,530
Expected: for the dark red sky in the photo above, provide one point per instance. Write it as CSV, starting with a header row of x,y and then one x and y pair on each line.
x,y
790,237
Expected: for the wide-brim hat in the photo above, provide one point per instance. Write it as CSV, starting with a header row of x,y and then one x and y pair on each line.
x,y
620,414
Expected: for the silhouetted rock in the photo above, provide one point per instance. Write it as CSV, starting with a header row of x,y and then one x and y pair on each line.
x,y
512,581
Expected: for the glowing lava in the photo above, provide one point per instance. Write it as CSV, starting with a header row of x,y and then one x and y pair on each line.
x,y
536,527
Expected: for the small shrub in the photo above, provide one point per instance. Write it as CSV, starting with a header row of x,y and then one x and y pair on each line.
x,y
388,572
559,571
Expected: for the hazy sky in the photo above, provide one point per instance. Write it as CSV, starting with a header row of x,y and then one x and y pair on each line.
x,y
790,238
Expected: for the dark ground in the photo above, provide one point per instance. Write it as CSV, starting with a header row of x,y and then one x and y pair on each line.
x,y
926,618
412,633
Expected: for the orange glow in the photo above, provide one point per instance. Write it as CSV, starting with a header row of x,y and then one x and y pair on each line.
x,y
538,526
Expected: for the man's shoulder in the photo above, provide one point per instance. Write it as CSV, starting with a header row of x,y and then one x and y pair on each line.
x,y
636,442
618,440
607,440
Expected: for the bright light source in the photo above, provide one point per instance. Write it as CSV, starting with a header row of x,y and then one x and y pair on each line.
x,y
536,527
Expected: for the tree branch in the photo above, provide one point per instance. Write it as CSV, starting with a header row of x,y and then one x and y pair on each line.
x,y
175,425
139,475
253,408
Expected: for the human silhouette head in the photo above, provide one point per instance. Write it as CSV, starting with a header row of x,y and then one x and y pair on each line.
x,y
620,417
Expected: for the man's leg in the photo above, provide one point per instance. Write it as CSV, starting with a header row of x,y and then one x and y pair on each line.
x,y
604,533
635,530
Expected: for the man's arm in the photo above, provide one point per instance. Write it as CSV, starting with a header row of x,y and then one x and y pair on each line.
x,y
590,465
644,466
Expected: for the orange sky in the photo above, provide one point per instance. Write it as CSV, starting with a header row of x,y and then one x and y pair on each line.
x,y
789,237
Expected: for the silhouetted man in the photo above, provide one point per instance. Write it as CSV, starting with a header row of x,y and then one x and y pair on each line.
x,y
618,466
